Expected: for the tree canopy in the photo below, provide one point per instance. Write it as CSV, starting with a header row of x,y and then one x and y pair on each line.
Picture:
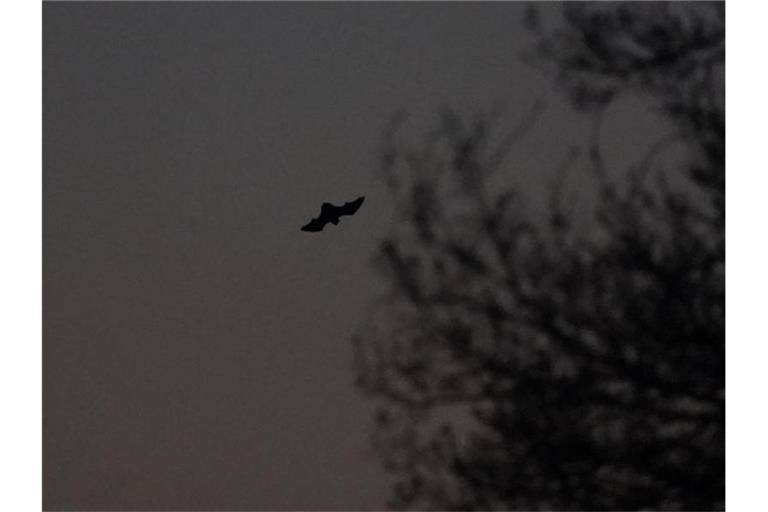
x,y
528,363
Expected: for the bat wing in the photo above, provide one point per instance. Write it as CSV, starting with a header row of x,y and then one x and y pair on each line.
x,y
315,224
351,207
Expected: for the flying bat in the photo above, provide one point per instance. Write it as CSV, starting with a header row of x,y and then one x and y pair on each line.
x,y
331,213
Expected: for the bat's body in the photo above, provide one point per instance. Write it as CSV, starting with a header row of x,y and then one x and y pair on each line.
x,y
331,213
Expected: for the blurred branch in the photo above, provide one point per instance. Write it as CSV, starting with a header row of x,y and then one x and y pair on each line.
x,y
569,366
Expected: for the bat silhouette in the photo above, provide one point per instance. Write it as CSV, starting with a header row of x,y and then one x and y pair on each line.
x,y
331,213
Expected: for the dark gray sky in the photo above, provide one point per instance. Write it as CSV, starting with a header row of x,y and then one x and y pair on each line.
x,y
196,343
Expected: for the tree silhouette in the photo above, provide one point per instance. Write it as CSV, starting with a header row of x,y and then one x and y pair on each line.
x,y
576,361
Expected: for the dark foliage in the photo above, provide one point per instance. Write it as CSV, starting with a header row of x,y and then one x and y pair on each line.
x,y
523,363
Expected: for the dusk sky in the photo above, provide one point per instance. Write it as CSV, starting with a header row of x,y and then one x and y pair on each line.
x,y
196,343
